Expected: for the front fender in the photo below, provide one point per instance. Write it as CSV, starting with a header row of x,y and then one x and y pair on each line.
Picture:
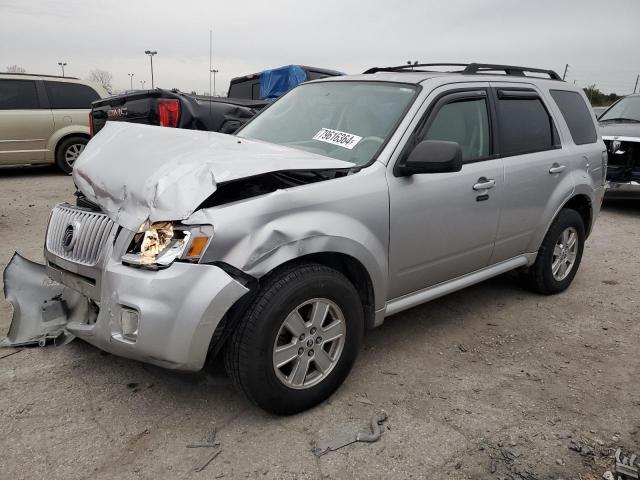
x,y
264,262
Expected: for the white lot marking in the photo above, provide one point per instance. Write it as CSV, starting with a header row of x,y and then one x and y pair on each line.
x,y
336,137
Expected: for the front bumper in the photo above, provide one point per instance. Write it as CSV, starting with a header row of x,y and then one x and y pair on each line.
x,y
178,308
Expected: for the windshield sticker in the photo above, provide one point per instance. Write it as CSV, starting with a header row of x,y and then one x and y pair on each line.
x,y
336,137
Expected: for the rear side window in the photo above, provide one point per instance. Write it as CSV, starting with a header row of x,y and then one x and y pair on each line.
x,y
247,89
63,95
524,125
577,115
312,75
18,95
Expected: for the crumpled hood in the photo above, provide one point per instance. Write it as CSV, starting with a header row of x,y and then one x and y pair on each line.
x,y
140,172
612,129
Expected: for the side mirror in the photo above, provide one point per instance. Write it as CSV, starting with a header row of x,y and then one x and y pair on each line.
x,y
432,156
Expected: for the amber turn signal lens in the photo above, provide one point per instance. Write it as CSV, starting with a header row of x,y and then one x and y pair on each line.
x,y
197,246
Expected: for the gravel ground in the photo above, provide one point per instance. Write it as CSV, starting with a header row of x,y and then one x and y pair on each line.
x,y
489,382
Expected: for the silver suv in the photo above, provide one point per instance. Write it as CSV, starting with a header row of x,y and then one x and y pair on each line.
x,y
348,200
44,119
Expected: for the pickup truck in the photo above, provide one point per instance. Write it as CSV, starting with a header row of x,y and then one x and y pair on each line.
x,y
171,108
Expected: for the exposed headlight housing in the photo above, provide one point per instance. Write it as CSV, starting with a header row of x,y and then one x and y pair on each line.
x,y
158,245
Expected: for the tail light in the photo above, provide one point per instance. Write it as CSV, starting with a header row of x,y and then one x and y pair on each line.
x,y
605,159
168,112
91,124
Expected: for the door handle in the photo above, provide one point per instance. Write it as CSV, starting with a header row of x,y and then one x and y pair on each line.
x,y
555,168
484,183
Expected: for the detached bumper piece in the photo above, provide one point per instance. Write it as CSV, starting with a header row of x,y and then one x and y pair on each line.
x,y
41,307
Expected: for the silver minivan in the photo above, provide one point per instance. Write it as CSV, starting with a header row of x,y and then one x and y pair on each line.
x,y
346,201
44,119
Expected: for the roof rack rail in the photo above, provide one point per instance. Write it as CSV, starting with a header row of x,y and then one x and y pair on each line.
x,y
38,75
470,69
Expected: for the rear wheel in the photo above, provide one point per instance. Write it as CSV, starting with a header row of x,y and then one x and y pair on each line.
x,y
559,255
298,339
68,152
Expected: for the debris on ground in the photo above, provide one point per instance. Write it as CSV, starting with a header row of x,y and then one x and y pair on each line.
x,y
626,467
208,442
206,463
364,399
347,438
506,464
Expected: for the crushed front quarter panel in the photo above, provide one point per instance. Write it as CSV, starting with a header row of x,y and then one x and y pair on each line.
x,y
139,173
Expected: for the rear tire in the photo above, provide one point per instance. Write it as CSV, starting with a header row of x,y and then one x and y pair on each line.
x,y
267,329
559,255
68,151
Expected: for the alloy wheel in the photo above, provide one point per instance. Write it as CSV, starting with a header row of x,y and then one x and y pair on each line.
x,y
564,254
309,343
73,152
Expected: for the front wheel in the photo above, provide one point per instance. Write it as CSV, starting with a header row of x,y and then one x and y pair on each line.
x,y
297,340
559,255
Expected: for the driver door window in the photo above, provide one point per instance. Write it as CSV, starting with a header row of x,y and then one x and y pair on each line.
x,y
465,122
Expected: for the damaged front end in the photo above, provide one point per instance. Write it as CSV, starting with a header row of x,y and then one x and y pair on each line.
x,y
41,307
624,159
623,168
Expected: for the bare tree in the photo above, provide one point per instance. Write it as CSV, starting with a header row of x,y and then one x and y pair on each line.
x,y
101,77
15,69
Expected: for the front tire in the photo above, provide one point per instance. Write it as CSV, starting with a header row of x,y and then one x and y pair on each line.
x,y
559,255
298,340
68,152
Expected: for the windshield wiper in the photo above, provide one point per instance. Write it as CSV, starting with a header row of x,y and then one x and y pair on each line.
x,y
621,120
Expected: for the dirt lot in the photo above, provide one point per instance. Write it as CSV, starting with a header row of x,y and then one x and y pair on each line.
x,y
490,382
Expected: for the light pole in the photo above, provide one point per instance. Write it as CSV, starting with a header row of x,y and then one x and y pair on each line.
x,y
131,79
62,65
151,53
214,71
142,82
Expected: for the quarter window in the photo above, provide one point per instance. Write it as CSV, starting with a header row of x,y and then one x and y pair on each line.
x,y
18,95
66,95
524,125
577,115
465,122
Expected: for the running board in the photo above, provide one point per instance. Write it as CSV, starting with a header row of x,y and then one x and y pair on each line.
x,y
421,296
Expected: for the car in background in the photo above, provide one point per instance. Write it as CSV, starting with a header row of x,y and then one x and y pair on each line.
x,y
44,118
247,96
599,110
271,84
620,129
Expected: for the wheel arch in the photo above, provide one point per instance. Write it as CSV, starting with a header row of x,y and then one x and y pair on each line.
x,y
351,268
582,204
60,136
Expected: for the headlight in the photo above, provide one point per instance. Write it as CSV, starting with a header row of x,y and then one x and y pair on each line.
x,y
158,245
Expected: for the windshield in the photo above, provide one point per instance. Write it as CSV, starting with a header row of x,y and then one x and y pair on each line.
x,y
626,110
342,120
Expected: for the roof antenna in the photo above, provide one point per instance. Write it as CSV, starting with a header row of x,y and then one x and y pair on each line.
x,y
412,64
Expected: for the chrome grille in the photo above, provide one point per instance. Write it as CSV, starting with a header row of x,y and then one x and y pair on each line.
x,y
78,235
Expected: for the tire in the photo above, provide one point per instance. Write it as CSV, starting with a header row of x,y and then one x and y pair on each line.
x,y
541,276
67,152
250,358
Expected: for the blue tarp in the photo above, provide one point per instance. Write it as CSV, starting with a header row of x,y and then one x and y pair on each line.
x,y
278,81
